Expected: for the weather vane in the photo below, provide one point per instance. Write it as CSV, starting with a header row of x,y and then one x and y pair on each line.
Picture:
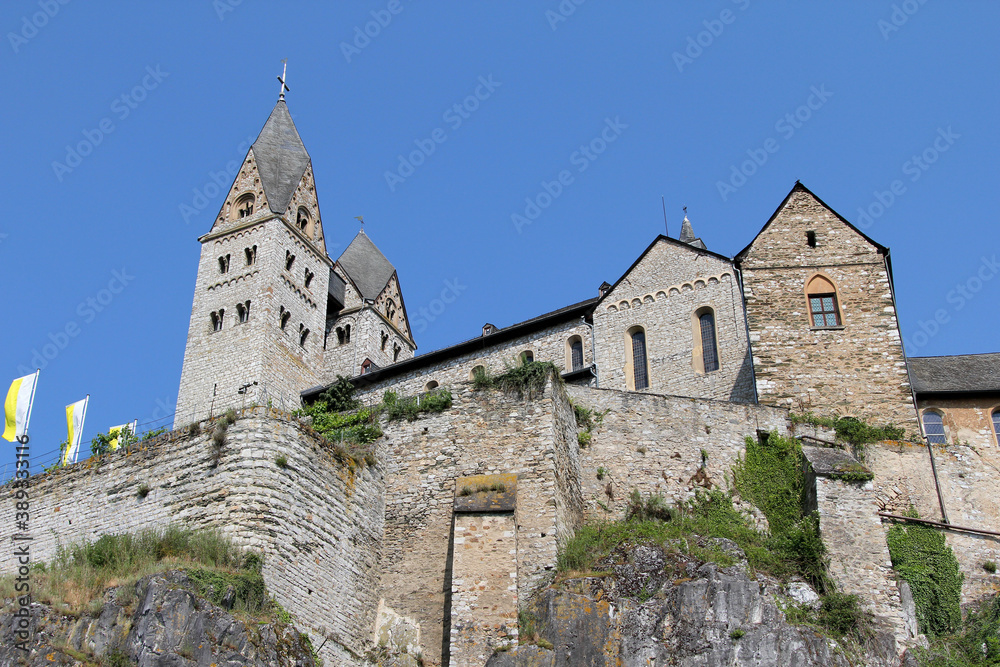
x,y
361,220
284,69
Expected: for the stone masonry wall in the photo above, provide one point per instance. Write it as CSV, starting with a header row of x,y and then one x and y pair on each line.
x,y
662,294
484,433
318,521
969,477
966,420
654,443
857,368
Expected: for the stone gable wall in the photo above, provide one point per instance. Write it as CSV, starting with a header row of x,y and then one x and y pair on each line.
x,y
966,420
857,369
318,521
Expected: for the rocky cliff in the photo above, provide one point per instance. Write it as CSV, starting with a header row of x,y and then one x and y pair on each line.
x,y
660,607
165,624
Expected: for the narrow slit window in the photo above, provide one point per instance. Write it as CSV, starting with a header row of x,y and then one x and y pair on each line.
x,y
996,425
217,320
709,348
309,276
289,260
341,336
251,254
640,371
303,335
934,428
224,264
396,349
811,238
347,334
283,317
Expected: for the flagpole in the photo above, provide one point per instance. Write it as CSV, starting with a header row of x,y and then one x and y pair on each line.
x,y
79,437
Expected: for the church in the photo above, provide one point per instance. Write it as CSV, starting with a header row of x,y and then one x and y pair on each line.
x,y
803,318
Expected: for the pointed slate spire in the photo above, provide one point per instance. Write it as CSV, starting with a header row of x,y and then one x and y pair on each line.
x,y
687,235
281,158
366,266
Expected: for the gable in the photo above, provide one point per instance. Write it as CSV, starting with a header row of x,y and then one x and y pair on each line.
x,y
667,263
785,238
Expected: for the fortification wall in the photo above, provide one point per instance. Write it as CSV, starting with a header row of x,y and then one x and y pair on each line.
x,y
484,433
654,443
969,479
318,521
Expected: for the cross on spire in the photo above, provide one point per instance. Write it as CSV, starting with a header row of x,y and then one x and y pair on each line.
x,y
284,69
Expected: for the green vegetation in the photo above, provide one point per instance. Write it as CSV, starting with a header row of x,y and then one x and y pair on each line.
x,y
737,634
409,407
583,438
977,642
344,428
587,419
495,487
102,442
143,490
922,559
851,429
990,567
525,379
149,435
77,578
339,396
281,461
601,472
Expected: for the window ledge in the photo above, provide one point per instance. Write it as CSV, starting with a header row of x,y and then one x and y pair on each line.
x,y
836,328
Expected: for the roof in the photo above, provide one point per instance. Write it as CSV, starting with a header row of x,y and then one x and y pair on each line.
x,y
960,373
281,158
687,235
479,343
366,266
798,187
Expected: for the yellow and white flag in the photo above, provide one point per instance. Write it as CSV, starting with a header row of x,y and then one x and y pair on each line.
x,y
17,407
116,431
75,414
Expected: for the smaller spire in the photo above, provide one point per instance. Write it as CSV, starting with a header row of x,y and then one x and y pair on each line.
x,y
282,78
687,233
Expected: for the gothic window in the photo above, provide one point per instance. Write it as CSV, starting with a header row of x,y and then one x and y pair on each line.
x,y
244,206
283,316
309,276
303,334
707,343
396,349
385,340
341,337
996,425
822,297
224,264
289,260
640,369
251,254
934,428
217,319
574,348
242,312
302,219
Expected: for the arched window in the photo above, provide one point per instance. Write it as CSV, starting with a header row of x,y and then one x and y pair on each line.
x,y
309,276
303,334
251,254
302,218
244,206
390,310
396,349
478,370
289,260
385,340
242,312
224,264
823,308
996,425
283,316
574,353
639,368
934,428
217,318
347,334
706,346
431,386
527,357
341,336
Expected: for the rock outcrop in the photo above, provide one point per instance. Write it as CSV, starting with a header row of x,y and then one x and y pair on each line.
x,y
665,608
166,625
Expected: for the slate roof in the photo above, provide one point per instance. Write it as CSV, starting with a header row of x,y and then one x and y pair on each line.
x,y
687,235
366,266
281,158
960,373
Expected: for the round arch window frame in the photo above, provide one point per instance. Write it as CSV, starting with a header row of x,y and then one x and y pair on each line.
x,y
630,358
698,352
251,197
923,424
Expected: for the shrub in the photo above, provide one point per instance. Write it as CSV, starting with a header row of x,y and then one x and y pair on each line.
x,y
339,396
527,379
143,490
842,614
281,461
149,435
990,567
737,634
583,438
409,408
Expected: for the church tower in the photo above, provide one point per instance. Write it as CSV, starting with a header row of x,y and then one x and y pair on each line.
x,y
268,299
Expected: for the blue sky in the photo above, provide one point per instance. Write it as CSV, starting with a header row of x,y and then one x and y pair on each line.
x,y
122,116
